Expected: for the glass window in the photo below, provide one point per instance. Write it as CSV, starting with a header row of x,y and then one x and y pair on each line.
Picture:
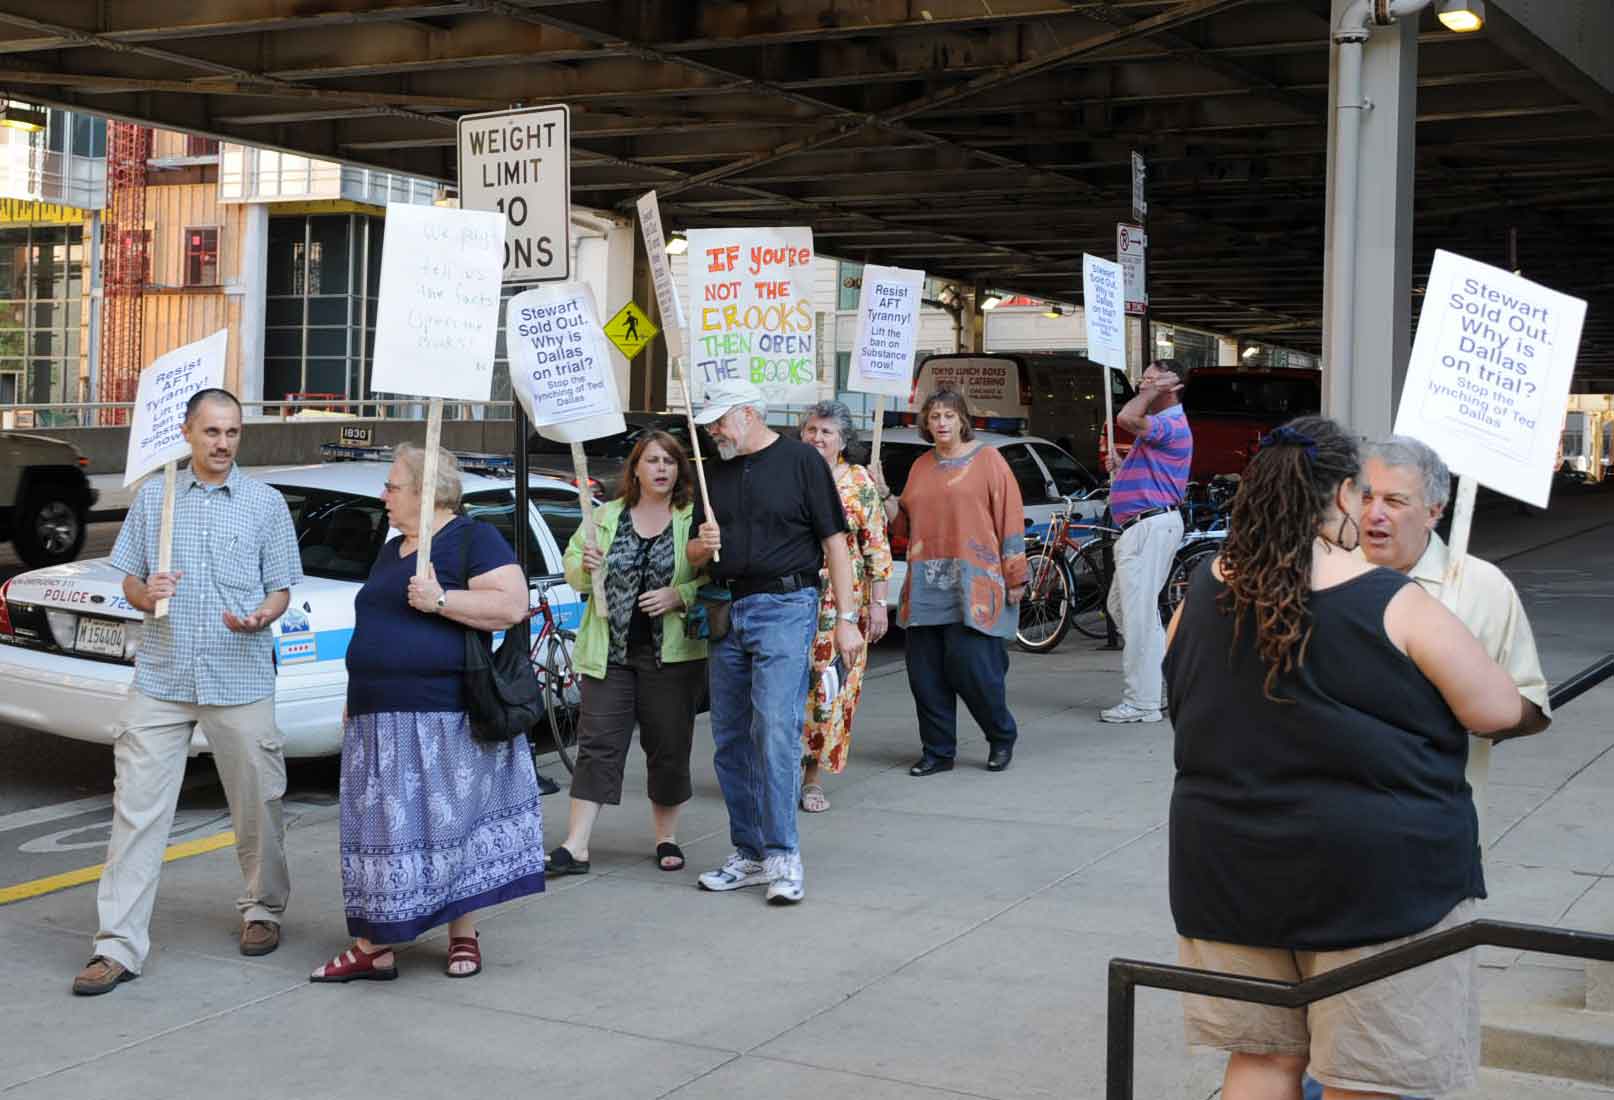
x,y
81,135
10,384
201,256
56,130
897,459
1069,476
338,535
198,146
97,137
498,508
1027,474
1256,395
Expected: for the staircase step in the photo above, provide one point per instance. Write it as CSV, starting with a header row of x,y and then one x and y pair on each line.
x,y
1550,1040
1501,1084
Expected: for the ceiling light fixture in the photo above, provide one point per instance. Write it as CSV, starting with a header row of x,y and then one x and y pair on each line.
x,y
1250,352
19,116
1461,16
677,246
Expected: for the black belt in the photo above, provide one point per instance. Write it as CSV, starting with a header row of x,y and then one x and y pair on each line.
x,y
742,587
1148,514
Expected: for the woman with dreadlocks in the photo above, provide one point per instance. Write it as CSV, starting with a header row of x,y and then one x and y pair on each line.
x,y
1319,814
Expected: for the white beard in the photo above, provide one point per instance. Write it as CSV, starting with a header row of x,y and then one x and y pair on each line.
x,y
726,450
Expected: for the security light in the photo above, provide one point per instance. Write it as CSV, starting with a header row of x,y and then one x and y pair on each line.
x,y
677,246
18,116
1461,16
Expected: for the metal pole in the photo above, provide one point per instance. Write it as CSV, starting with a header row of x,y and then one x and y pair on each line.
x,y
1118,1068
519,520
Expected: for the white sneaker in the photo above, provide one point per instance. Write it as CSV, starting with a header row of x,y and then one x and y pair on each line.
x,y
787,880
736,873
1126,712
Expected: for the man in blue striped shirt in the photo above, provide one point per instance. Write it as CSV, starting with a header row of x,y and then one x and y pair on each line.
x,y
208,664
1145,499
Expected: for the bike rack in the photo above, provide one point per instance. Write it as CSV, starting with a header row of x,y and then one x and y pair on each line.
x,y
1127,975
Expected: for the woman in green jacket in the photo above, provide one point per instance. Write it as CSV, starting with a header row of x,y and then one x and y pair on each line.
x,y
637,665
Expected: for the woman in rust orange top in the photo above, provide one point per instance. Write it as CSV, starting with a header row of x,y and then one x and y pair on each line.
x,y
962,514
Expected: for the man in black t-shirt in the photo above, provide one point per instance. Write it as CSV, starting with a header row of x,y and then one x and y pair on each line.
x,y
776,519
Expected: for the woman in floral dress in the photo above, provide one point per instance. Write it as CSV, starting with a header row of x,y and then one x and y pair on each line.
x,y
827,734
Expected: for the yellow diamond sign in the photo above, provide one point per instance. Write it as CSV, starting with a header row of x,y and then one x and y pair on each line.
x,y
630,330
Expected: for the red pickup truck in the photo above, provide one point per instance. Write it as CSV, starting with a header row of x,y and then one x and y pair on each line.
x,y
1229,409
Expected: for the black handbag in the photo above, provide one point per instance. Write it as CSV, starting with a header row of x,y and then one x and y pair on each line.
x,y
503,698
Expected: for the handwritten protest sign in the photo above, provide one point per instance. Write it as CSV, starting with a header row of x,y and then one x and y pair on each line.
x,y
751,310
1489,377
560,363
159,412
887,330
438,320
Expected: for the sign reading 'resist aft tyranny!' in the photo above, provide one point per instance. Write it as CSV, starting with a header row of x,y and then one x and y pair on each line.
x,y
518,163
751,311
1489,378
159,412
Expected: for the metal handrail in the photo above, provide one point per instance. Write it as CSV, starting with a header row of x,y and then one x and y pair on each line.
x,y
1126,975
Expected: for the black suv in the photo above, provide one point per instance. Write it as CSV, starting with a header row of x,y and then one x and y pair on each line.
x,y
44,498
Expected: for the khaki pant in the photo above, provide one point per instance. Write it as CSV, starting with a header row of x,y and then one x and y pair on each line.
x,y
1143,557
150,753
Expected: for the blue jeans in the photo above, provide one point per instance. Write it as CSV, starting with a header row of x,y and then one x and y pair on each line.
x,y
946,663
1311,1090
759,676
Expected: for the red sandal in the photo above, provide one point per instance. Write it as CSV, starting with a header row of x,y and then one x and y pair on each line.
x,y
356,965
462,949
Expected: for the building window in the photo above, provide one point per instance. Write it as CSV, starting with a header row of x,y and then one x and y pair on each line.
x,y
198,146
201,257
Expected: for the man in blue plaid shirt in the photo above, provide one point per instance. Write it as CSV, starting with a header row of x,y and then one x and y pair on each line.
x,y
208,665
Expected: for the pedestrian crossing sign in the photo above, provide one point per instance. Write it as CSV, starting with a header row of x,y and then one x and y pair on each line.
x,y
630,330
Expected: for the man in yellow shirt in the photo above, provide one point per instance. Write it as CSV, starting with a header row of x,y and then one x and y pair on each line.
x,y
1407,488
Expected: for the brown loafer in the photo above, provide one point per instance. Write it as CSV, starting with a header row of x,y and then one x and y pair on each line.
x,y
101,975
259,937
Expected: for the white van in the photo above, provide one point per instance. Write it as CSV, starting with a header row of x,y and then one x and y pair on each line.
x,y
1055,395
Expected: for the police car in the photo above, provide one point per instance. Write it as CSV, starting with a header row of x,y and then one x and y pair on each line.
x,y
68,637
1045,472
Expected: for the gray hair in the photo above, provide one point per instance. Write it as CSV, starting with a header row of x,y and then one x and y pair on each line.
x,y
449,488
1404,451
839,413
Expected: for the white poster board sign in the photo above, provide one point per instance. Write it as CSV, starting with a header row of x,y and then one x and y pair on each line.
x,y
668,303
887,331
1105,312
519,163
159,412
1488,382
751,311
1131,252
438,320
560,363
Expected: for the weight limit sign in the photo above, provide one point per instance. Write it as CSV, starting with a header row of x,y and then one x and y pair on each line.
x,y
518,163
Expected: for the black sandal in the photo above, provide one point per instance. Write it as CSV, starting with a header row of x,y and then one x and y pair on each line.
x,y
562,862
668,850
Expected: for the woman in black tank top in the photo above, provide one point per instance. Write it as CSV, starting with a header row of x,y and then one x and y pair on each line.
x,y
1319,804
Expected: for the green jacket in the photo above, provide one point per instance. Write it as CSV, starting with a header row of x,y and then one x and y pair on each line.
x,y
593,636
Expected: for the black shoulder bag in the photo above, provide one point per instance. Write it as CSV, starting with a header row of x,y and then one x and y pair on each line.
x,y
502,696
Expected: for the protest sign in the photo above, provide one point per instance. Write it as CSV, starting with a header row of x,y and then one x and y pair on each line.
x,y
155,439
751,306
672,320
1105,312
159,412
1489,377
438,319
560,371
887,331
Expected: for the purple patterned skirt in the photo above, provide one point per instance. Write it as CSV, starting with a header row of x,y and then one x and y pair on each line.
x,y
435,824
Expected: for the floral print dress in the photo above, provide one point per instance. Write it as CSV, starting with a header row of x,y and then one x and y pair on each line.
x,y
827,735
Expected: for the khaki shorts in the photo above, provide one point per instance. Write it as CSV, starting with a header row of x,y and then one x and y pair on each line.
x,y
1416,1033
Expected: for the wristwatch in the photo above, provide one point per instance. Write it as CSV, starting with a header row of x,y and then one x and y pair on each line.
x,y
442,601
847,617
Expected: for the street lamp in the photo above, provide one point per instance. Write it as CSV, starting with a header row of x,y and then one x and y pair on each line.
x,y
1461,16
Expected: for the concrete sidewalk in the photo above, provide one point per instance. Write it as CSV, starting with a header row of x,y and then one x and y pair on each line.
x,y
953,942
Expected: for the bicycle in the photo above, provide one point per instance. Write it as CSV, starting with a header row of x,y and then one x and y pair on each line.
x,y
562,684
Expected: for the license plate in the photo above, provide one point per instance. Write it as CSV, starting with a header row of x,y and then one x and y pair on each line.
x,y
100,636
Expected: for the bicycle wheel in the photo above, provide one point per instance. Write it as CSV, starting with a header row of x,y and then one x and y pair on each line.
x,y
1089,590
563,696
1182,571
1045,605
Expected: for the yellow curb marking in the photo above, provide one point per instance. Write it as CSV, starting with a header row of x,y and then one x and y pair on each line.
x,y
66,879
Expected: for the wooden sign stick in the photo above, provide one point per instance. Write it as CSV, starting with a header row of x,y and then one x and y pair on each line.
x,y
1462,524
1109,413
694,439
428,489
165,534
586,499
879,425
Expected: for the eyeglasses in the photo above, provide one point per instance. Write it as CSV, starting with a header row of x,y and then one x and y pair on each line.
x,y
389,487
